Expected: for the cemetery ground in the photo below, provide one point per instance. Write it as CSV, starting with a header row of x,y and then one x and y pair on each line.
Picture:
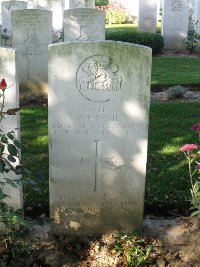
x,y
167,225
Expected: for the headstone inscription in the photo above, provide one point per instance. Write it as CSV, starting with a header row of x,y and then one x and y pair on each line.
x,y
147,15
79,4
84,24
31,35
98,128
175,23
6,8
11,123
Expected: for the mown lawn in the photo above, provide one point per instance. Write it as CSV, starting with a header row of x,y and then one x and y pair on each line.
x,y
167,184
176,70
168,71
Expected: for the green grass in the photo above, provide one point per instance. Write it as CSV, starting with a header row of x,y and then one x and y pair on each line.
x,y
34,137
167,184
175,70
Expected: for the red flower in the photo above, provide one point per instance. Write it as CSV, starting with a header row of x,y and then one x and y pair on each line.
x,y
3,84
196,127
188,147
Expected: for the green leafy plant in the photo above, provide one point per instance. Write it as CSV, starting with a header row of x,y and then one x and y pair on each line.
x,y
192,41
9,146
175,92
12,244
115,13
192,154
136,250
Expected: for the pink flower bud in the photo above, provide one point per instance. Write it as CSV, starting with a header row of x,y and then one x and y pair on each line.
x,y
197,167
3,84
196,127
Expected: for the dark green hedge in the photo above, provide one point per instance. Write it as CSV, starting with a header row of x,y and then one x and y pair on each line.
x,y
153,40
101,2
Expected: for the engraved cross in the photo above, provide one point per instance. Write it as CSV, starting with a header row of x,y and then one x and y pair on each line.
x,y
98,161
176,32
147,20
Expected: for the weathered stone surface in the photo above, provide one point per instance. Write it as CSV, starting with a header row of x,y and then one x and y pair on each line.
x,y
31,35
175,23
79,4
147,20
56,6
197,16
6,8
192,12
11,123
98,126
83,24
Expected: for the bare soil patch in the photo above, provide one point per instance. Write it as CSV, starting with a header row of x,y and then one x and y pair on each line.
x,y
176,242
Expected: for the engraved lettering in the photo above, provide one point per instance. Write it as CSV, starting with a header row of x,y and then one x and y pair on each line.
x,y
176,5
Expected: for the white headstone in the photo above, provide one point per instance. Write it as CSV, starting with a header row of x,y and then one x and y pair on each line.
x,y
6,8
192,12
147,20
31,35
79,4
9,73
84,24
197,16
56,6
175,21
98,129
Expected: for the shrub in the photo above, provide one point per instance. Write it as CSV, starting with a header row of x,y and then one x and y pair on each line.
x,y
115,13
153,40
192,42
175,92
101,2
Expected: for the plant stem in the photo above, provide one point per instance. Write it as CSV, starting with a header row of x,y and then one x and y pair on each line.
x,y
190,174
2,106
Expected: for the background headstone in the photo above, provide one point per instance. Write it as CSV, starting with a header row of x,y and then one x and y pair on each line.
x,y
56,6
175,19
79,4
147,19
6,8
84,24
31,35
98,130
9,73
192,12
197,16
